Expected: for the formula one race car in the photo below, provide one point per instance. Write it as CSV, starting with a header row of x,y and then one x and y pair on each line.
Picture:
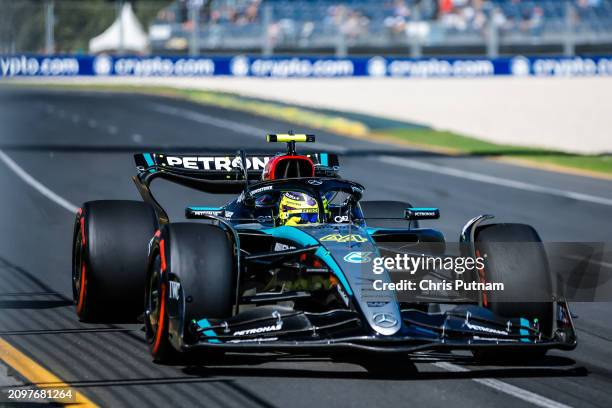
x,y
286,266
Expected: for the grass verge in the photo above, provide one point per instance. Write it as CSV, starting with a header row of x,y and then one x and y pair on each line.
x,y
452,143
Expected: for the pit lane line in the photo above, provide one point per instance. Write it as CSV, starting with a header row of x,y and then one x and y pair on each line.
x,y
501,386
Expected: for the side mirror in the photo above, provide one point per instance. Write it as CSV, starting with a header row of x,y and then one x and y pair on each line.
x,y
422,213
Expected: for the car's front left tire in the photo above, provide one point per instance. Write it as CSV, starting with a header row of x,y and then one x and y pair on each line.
x,y
192,276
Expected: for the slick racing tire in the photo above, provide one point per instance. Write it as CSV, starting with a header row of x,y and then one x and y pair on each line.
x,y
191,277
520,263
109,259
386,209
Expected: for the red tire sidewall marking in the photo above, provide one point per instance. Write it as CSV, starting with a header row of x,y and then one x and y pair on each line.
x,y
162,309
83,281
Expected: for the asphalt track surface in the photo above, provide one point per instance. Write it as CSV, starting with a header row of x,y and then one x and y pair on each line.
x,y
79,145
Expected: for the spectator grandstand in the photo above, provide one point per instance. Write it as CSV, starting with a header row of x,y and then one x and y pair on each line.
x,y
341,27
365,26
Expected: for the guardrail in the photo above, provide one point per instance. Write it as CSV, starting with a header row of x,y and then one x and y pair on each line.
x,y
24,65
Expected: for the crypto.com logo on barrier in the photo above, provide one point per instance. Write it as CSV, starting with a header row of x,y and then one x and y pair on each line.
x,y
299,67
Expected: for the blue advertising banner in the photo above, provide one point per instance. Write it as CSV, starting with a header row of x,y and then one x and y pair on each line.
x,y
299,67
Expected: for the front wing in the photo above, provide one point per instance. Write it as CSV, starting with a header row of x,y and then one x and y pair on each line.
x,y
279,329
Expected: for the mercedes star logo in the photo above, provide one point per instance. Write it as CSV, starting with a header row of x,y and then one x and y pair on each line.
x,y
385,320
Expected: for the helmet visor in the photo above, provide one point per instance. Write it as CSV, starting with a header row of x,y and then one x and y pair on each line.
x,y
309,217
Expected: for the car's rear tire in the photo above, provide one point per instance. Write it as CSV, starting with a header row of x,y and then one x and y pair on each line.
x,y
386,209
192,276
520,263
110,259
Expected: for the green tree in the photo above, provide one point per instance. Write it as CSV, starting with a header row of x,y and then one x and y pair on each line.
x,y
22,22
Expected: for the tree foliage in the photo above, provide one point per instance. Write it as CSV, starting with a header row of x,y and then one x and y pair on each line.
x,y
22,22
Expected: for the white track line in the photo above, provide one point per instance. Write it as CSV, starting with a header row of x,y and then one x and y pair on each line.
x,y
483,178
240,128
42,189
506,388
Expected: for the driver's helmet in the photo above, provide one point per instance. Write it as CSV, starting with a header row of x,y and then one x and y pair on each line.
x,y
297,208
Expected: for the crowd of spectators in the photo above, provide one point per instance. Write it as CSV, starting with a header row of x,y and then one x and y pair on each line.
x,y
301,19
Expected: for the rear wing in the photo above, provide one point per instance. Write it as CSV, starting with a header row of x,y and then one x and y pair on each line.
x,y
220,174
223,167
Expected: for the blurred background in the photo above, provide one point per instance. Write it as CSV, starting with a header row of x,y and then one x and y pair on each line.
x,y
411,28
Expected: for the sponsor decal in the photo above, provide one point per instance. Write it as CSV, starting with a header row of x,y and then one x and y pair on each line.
x,y
377,304
256,340
102,65
239,66
344,238
343,295
520,66
242,66
425,213
261,189
262,329
218,163
495,339
576,66
282,247
175,288
207,212
341,219
384,320
422,213
434,67
315,182
160,66
485,329
301,67
292,196
358,257
229,214
303,211
377,67
44,66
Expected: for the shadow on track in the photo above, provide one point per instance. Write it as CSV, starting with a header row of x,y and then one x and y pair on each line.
x,y
410,375
246,366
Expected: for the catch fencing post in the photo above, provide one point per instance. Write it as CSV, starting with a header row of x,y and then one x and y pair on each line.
x,y
49,26
194,11
416,51
341,49
492,39
267,48
569,42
